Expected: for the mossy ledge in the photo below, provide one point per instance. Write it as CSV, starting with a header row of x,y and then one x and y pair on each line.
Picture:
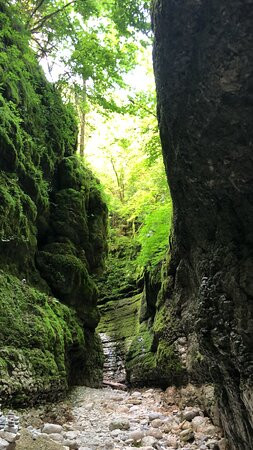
x,y
52,234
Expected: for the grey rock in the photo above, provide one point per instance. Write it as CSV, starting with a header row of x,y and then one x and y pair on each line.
x,y
186,435
56,437
153,416
189,414
121,423
9,437
148,441
51,428
3,444
136,435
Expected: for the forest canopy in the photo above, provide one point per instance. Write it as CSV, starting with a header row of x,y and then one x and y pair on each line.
x,y
93,50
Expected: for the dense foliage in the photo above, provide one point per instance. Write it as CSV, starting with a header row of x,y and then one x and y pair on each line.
x,y
131,168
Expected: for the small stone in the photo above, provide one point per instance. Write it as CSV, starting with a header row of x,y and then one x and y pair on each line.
x,y
153,416
135,401
167,427
71,434
129,441
121,423
115,432
198,422
51,428
56,437
148,441
136,394
171,442
155,433
189,414
133,409
36,434
144,422
89,406
136,435
156,423
186,435
185,425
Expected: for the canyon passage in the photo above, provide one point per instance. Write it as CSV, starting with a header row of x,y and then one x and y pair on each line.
x,y
126,225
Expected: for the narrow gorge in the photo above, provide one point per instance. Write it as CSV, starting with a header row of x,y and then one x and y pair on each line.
x,y
104,346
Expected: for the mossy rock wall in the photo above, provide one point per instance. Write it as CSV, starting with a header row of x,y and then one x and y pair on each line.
x,y
52,230
152,360
135,322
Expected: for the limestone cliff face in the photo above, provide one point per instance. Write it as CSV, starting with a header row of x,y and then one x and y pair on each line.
x,y
203,68
52,233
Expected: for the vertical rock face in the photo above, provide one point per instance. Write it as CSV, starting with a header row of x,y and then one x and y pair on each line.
x,y
203,68
52,233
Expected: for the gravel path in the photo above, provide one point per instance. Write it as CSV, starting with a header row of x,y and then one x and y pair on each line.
x,y
104,419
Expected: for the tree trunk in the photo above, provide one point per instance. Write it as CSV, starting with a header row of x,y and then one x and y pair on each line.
x,y
83,119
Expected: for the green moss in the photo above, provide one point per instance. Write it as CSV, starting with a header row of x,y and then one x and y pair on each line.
x,y
119,318
52,231
168,361
70,281
42,340
162,320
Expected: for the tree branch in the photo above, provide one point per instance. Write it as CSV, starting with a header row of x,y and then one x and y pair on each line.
x,y
36,8
39,24
142,107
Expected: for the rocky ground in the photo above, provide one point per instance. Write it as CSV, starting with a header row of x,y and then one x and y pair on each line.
x,y
103,419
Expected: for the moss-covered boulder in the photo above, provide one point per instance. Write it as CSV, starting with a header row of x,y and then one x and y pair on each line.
x,y
43,345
